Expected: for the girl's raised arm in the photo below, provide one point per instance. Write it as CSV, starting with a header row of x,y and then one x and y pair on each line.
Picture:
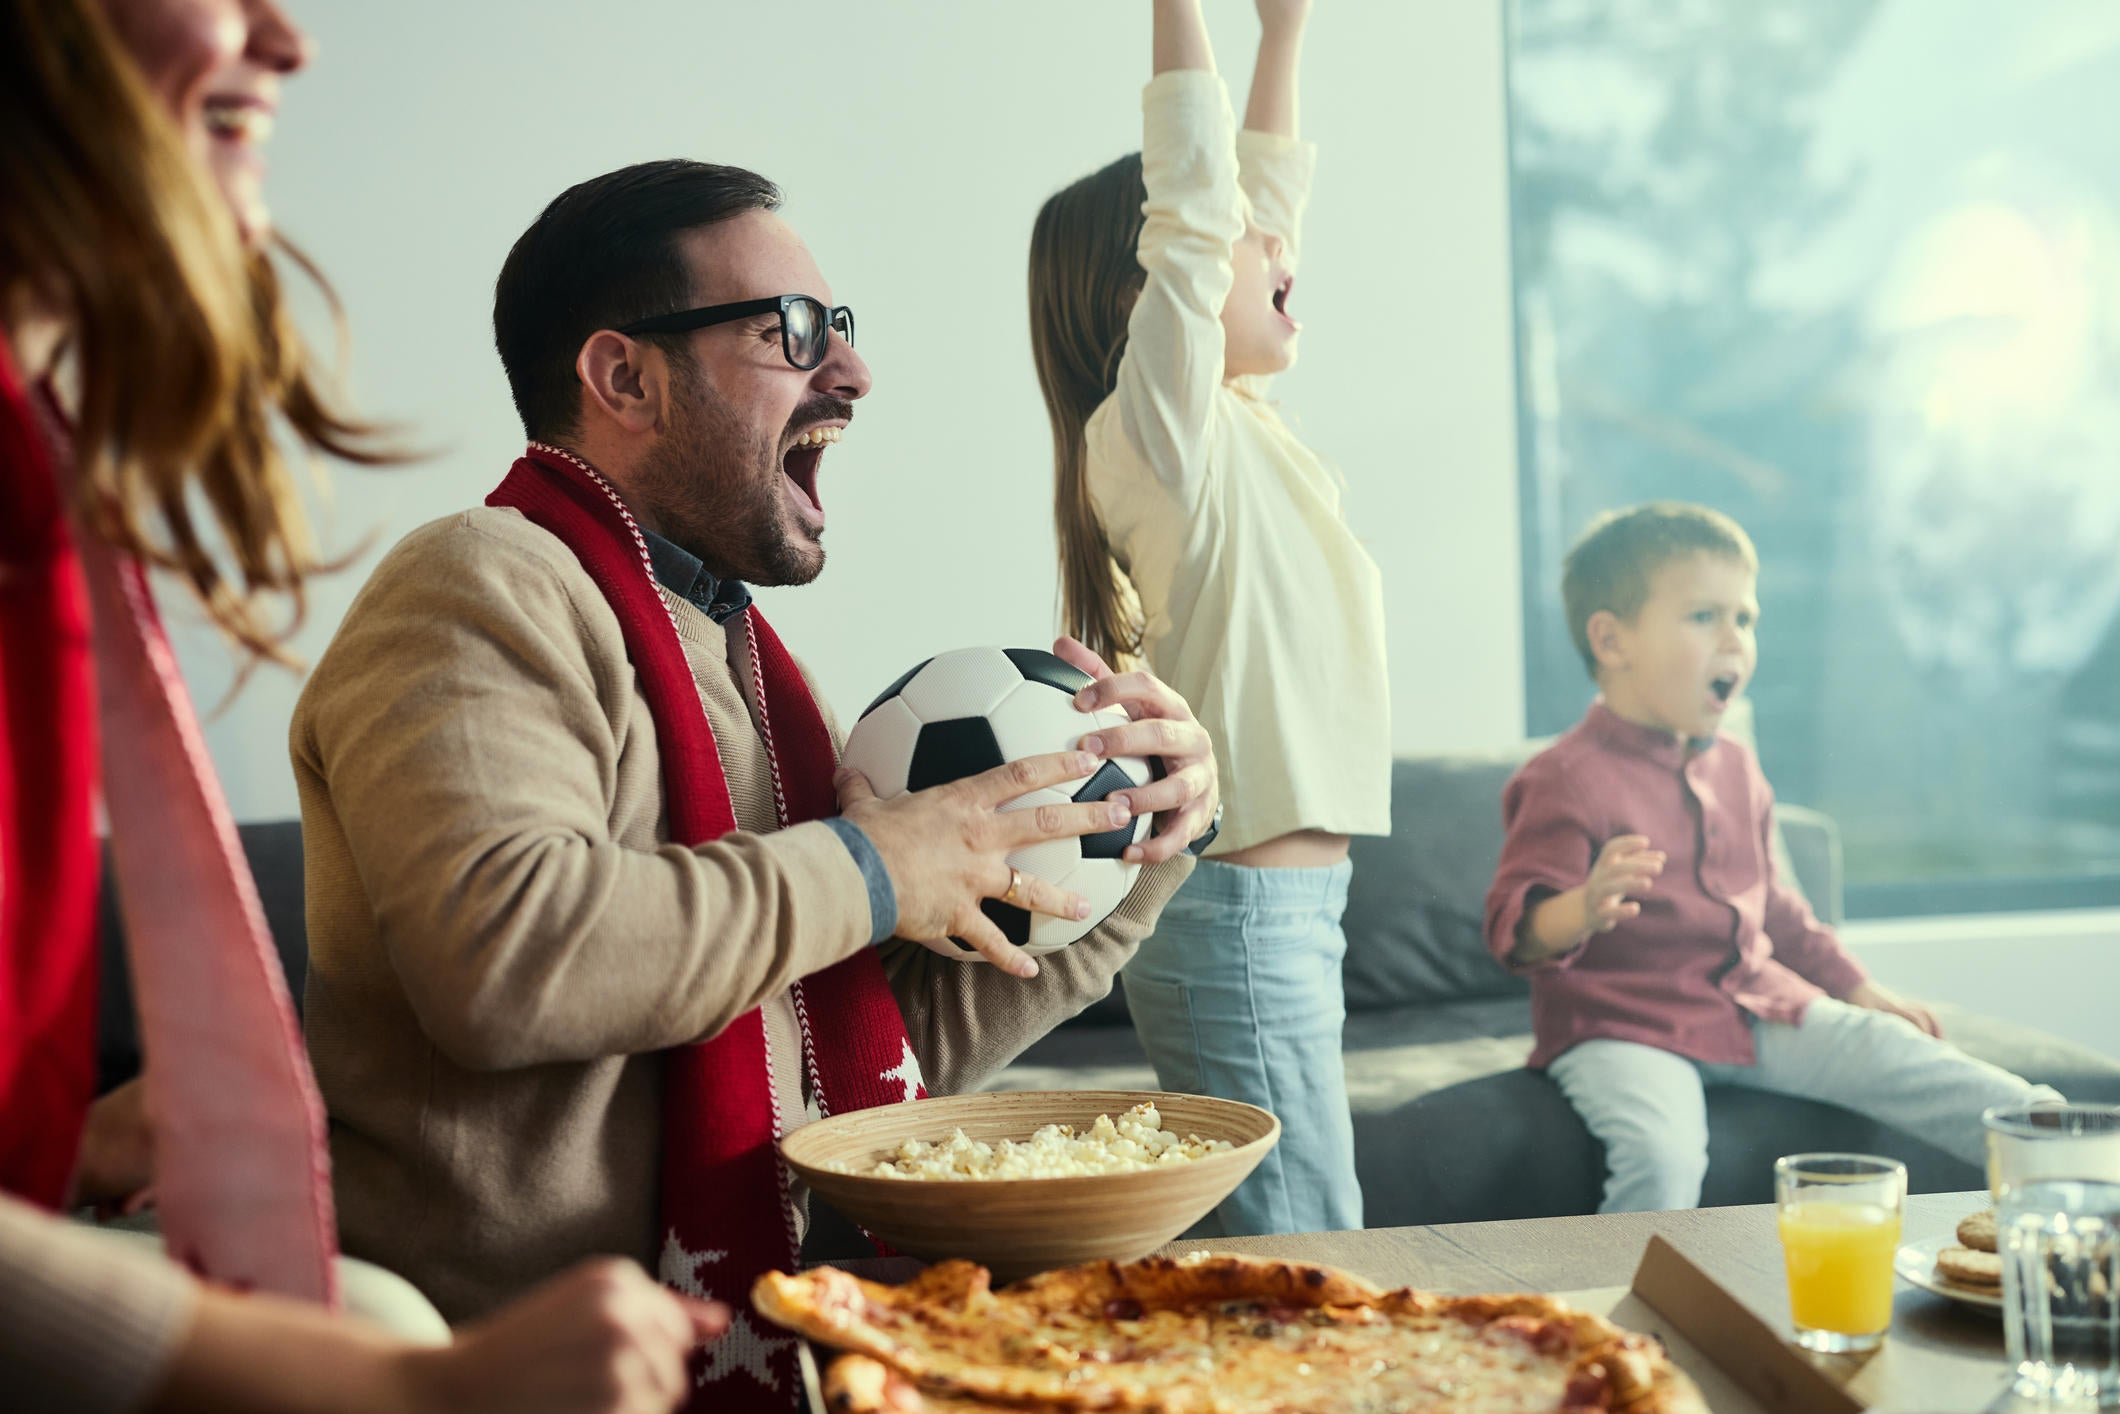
x,y
1272,107
1172,368
1181,37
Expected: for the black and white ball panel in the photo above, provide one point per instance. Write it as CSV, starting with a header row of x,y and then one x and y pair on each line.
x,y
1037,665
1102,879
1111,778
969,711
881,745
950,751
895,688
961,684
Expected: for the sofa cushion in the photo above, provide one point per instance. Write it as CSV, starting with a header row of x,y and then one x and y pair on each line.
x,y
1450,1127
1416,909
2076,1071
1509,1146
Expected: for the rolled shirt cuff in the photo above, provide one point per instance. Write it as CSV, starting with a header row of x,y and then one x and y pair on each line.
x,y
883,897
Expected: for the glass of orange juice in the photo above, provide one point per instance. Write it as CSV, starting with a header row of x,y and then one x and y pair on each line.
x,y
1839,1216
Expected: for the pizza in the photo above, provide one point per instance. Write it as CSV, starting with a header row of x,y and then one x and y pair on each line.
x,y
1211,1334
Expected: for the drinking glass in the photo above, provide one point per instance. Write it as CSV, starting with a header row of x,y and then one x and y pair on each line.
x,y
1839,1216
2055,1173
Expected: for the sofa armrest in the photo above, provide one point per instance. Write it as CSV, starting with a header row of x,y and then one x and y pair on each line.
x,y
1814,858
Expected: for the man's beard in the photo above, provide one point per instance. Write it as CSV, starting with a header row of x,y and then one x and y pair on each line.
x,y
713,487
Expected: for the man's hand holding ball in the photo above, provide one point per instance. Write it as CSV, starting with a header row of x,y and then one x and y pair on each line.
x,y
1005,789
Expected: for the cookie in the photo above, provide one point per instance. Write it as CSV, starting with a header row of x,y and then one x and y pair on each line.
x,y
1977,1230
1966,1267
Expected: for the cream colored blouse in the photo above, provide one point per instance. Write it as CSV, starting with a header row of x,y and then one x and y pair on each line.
x,y
1261,607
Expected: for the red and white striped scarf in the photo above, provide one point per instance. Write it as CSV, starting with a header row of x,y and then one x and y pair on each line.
x,y
242,1176
728,1213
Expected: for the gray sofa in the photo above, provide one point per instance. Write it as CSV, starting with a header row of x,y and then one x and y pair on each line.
x,y
1449,1126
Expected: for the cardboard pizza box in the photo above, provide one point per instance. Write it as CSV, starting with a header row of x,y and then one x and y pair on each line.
x,y
1675,1296
1937,1359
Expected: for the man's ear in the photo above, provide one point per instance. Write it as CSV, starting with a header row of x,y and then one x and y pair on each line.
x,y
624,379
1607,635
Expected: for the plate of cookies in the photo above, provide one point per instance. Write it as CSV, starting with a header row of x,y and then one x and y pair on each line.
x,y
1965,1267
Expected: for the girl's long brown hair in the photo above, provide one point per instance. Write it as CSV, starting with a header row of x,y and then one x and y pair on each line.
x,y
187,355
1084,279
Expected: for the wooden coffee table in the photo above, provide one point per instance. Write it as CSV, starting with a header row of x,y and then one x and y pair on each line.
x,y
1939,1357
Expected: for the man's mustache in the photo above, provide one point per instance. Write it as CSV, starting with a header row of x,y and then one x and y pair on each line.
x,y
816,410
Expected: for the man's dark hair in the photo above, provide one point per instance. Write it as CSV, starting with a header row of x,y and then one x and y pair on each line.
x,y
604,253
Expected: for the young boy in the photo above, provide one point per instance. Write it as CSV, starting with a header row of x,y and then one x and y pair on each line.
x,y
1637,889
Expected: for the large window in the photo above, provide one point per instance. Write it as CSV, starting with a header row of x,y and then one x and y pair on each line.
x,y
1849,270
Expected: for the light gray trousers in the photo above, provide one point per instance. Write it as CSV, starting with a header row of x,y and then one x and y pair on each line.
x,y
1648,1107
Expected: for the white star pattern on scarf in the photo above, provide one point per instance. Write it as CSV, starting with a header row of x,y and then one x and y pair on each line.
x,y
743,1347
906,1073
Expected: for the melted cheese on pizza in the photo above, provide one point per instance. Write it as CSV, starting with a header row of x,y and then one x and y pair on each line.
x,y
1093,1343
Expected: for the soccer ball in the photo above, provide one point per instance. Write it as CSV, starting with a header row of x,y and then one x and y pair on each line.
x,y
961,713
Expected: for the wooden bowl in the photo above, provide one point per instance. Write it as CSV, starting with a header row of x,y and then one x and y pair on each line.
x,y
1017,1226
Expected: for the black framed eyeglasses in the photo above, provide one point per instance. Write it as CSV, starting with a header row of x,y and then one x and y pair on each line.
x,y
806,324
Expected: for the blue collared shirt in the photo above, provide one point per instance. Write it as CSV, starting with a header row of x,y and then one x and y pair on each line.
x,y
687,576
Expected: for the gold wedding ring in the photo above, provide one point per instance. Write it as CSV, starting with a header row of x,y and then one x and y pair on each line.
x,y
1014,896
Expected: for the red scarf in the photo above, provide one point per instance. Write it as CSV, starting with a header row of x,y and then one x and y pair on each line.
x,y
242,1179
48,852
727,1211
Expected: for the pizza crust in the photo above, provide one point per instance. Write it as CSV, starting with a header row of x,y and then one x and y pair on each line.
x,y
857,1384
1207,1333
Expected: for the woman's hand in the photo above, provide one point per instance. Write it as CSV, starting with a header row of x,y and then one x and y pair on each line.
x,y
1185,800
115,1171
603,1338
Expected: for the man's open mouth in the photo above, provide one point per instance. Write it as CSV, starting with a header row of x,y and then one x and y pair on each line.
x,y
803,459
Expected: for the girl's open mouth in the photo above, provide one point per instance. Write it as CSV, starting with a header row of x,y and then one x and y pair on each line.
x,y
1280,299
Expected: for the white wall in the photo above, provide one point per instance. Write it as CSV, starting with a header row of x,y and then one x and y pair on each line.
x,y
915,142
914,158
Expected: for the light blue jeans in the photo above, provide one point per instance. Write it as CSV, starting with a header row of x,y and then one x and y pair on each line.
x,y
1647,1107
1238,995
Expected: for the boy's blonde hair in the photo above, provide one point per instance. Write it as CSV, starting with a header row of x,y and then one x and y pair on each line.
x,y
1618,554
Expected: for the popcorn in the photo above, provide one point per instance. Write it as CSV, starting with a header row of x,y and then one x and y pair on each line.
x,y
1137,1140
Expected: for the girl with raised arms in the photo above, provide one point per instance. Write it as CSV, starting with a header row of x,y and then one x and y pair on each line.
x,y
1199,533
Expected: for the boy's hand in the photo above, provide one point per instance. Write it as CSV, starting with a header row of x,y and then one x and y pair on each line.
x,y
1563,922
1876,998
1626,865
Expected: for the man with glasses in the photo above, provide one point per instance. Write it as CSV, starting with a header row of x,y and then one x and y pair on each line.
x,y
589,925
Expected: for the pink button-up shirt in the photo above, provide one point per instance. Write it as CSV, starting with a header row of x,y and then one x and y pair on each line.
x,y
1717,936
